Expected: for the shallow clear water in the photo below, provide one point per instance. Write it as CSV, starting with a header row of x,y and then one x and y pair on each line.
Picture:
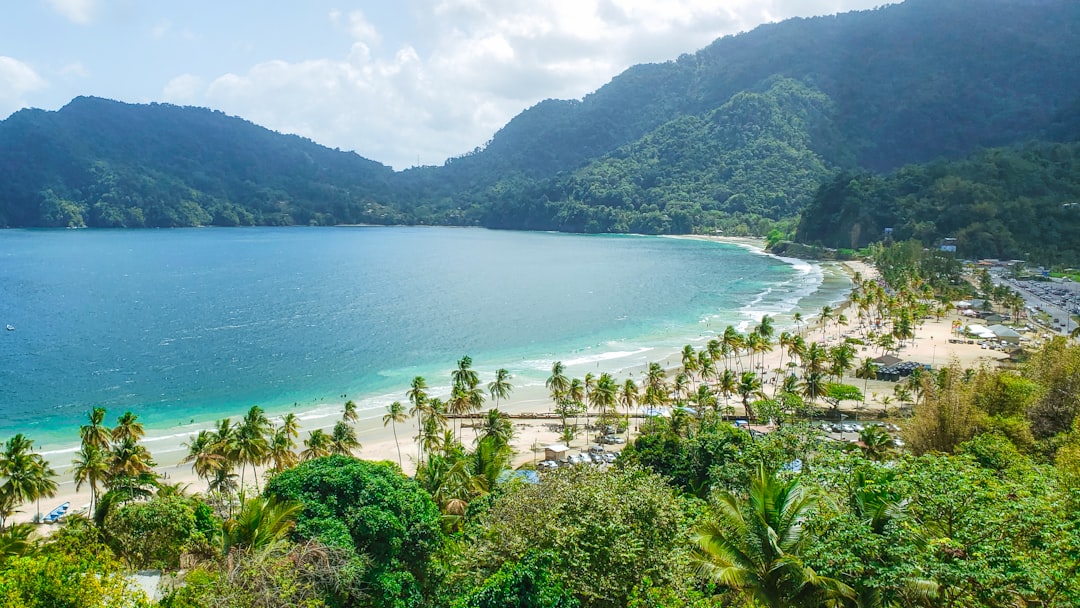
x,y
185,326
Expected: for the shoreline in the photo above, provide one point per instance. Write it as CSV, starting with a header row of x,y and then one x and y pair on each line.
x,y
377,439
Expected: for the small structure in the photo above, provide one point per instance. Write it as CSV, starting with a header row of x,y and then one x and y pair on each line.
x,y
887,361
556,452
1005,334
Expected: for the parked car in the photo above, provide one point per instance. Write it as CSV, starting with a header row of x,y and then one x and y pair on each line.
x,y
612,439
546,465
609,457
596,449
597,458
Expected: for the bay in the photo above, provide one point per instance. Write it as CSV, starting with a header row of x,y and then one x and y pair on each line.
x,y
185,326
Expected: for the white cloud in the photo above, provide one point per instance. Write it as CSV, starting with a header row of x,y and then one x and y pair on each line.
x,y
78,11
16,79
483,63
184,89
77,70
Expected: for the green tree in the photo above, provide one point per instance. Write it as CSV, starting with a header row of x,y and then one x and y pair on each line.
x,y
343,439
500,387
376,511
90,466
627,519
525,584
395,413
755,545
152,534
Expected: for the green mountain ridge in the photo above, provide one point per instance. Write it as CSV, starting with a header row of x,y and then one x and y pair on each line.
x,y
737,136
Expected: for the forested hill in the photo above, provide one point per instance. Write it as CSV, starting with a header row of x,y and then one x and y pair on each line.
x,y
103,163
738,135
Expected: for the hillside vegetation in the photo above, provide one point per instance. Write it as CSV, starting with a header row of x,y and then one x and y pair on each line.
x,y
737,136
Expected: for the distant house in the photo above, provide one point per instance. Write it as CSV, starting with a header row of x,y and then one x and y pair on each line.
x,y
1005,334
556,452
887,361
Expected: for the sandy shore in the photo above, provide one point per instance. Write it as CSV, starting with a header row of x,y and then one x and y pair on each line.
x,y
931,346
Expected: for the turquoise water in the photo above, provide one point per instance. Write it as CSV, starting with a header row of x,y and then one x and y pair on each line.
x,y
186,326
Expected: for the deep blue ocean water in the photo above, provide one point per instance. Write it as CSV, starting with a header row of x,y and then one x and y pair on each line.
x,y
185,326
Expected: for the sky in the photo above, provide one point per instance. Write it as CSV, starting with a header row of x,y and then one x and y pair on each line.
x,y
402,82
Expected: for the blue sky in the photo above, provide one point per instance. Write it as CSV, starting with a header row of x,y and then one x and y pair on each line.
x,y
401,82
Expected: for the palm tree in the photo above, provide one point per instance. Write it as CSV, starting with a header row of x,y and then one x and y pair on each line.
x,y
755,545
252,443
129,459
417,396
605,394
90,466
557,383
459,404
866,370
464,375
727,384
96,433
260,523
291,425
128,426
765,329
500,388
655,386
395,413
350,415
316,445
690,362
877,443
797,318
749,386
203,454
343,439
282,450
826,316
628,397
496,428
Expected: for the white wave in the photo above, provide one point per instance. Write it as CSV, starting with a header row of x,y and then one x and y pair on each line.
x,y
605,356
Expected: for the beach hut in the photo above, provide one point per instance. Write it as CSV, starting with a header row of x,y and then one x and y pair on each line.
x,y
556,452
887,361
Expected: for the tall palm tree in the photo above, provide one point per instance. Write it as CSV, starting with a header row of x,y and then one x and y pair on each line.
x,y
291,425
727,384
129,459
628,397
464,375
500,387
395,413
605,393
282,448
755,545
343,439
656,389
96,433
557,383
203,454
866,370
90,466
690,363
797,318
826,316
417,396
252,442
349,414
496,428
766,329
459,404
749,386
128,427
316,445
